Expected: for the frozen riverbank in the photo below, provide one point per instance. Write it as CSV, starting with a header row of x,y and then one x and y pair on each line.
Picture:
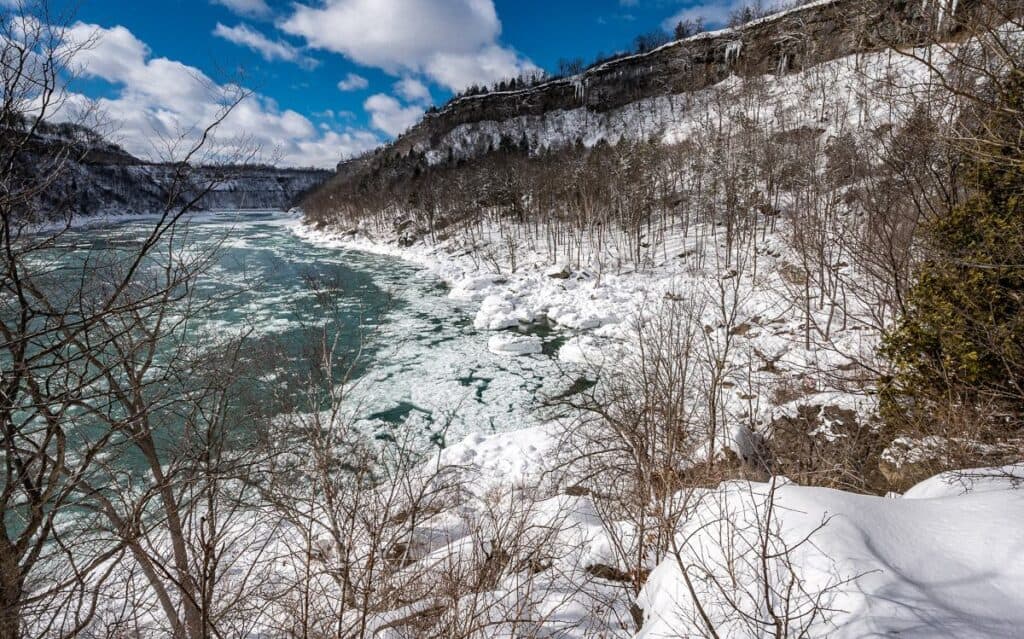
x,y
861,565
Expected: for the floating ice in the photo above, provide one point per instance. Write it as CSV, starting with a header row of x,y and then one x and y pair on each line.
x,y
513,344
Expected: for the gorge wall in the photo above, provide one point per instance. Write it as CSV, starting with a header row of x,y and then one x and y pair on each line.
x,y
779,44
91,176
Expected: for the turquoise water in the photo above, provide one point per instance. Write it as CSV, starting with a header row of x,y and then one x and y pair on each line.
x,y
417,362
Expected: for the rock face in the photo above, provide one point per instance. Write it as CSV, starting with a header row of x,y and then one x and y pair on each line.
x,y
783,43
100,178
92,189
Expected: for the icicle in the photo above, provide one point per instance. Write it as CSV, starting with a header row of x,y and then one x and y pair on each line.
x,y
732,50
579,83
941,10
783,64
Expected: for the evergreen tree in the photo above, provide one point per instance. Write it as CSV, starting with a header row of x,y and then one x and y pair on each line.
x,y
960,345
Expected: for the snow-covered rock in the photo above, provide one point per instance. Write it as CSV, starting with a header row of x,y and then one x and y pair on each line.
x,y
475,287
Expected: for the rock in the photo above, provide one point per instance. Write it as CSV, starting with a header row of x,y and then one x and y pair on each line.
x,y
909,460
741,329
612,573
559,273
793,274
814,433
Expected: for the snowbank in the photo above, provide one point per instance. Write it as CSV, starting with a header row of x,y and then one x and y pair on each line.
x,y
937,563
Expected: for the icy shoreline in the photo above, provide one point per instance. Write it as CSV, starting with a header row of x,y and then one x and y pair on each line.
x,y
911,564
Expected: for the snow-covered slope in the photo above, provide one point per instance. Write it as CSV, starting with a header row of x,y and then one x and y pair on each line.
x,y
775,374
649,89
941,561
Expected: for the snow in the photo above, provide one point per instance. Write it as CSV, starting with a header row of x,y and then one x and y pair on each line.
x,y
943,560
511,344
585,350
498,312
942,566
955,484
596,309
791,100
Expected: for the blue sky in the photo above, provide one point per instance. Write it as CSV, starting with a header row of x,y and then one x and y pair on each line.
x,y
330,78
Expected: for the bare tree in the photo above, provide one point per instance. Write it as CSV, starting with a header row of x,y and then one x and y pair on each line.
x,y
743,572
81,348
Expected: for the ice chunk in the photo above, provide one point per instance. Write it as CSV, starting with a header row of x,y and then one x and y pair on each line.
x,y
514,344
475,288
584,350
496,313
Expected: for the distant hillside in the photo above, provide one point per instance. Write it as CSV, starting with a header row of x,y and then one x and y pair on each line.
x,y
100,177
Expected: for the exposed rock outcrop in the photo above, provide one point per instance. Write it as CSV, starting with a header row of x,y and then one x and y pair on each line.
x,y
96,177
779,44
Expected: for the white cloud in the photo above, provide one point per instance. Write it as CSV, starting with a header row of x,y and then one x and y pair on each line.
x,y
160,100
458,71
245,36
412,90
248,8
388,115
418,36
332,146
115,54
353,82
712,13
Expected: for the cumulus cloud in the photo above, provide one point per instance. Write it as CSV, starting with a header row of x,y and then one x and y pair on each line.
x,y
248,8
412,90
164,100
713,13
353,82
419,36
458,71
388,115
245,36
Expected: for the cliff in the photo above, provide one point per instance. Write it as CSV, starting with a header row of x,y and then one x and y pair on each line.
x,y
97,177
578,109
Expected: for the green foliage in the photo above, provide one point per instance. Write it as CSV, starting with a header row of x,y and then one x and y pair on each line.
x,y
962,338
958,351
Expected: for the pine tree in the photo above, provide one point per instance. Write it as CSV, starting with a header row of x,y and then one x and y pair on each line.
x,y
960,345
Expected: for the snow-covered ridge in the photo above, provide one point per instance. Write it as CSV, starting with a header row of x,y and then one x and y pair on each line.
x,y
580,79
789,41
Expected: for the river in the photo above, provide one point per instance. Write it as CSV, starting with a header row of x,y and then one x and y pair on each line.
x,y
417,361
